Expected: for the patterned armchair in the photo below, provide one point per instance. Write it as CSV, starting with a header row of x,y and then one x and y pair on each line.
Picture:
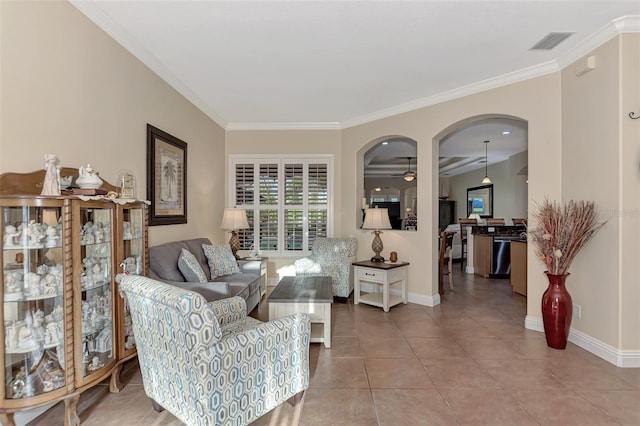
x,y
210,364
331,257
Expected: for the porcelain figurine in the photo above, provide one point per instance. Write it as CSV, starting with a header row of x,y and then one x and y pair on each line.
x,y
10,234
52,236
88,178
12,286
51,334
35,233
11,338
32,284
51,185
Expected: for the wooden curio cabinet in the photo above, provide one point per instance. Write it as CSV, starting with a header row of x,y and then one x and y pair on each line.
x,y
66,328
37,300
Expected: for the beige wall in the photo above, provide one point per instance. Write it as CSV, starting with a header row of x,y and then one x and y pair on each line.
x,y
67,88
604,277
509,189
536,101
629,173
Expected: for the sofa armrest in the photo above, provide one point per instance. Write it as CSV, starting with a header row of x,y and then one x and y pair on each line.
x,y
229,310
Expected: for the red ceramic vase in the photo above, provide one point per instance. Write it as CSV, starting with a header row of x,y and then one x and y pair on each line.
x,y
557,311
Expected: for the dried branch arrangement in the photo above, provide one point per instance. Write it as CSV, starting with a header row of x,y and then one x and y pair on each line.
x,y
561,230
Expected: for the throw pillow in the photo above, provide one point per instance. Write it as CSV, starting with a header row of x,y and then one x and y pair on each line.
x,y
190,268
221,260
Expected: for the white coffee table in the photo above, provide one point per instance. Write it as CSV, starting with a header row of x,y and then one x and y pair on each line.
x,y
309,295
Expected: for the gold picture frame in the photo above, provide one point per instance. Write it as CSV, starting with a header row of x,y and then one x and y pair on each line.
x,y
166,177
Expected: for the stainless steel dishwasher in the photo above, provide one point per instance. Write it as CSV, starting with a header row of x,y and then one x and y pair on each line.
x,y
500,257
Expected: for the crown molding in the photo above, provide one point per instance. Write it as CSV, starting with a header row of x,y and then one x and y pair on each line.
x,y
627,24
470,89
623,24
321,125
116,32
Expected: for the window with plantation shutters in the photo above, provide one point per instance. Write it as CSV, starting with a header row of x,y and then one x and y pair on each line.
x,y
287,201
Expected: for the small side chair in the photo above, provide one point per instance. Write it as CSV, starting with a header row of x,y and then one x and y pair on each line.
x,y
445,260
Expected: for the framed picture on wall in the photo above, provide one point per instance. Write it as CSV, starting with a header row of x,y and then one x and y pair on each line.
x,y
166,177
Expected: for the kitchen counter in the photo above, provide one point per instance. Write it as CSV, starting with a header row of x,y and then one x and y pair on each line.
x,y
492,249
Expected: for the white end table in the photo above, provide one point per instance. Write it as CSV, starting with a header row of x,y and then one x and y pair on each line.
x,y
256,265
384,274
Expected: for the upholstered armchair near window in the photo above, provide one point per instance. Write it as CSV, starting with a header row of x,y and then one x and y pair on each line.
x,y
331,257
210,364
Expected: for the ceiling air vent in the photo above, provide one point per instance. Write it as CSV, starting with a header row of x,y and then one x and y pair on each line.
x,y
551,41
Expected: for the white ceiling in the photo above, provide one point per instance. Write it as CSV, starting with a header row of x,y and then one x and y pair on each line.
x,y
334,64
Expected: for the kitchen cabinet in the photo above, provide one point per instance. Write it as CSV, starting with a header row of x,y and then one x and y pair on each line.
x,y
482,255
519,267
446,213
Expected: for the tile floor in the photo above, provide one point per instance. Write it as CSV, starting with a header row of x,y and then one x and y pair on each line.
x,y
468,361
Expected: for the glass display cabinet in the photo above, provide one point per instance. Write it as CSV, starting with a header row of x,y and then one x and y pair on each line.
x,y
66,328
37,358
131,258
93,286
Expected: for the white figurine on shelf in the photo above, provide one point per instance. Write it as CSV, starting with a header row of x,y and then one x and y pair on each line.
x,y
35,233
88,178
49,285
51,185
32,284
10,234
25,337
52,236
11,338
37,328
98,232
86,235
51,334
12,286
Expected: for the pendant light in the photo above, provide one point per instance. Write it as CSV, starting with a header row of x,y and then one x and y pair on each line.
x,y
486,179
409,176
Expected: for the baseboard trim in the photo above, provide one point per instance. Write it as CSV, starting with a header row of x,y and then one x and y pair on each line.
x,y
619,358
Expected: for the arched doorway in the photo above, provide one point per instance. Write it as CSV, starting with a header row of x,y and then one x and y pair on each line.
x,y
463,163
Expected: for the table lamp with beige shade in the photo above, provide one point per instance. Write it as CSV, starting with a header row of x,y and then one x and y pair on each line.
x,y
234,219
377,219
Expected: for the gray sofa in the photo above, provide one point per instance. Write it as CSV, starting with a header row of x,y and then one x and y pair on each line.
x,y
163,266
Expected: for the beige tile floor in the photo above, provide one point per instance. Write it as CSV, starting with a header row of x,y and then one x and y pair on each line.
x,y
468,361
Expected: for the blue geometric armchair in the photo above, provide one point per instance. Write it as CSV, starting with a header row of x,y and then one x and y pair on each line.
x,y
331,257
210,364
